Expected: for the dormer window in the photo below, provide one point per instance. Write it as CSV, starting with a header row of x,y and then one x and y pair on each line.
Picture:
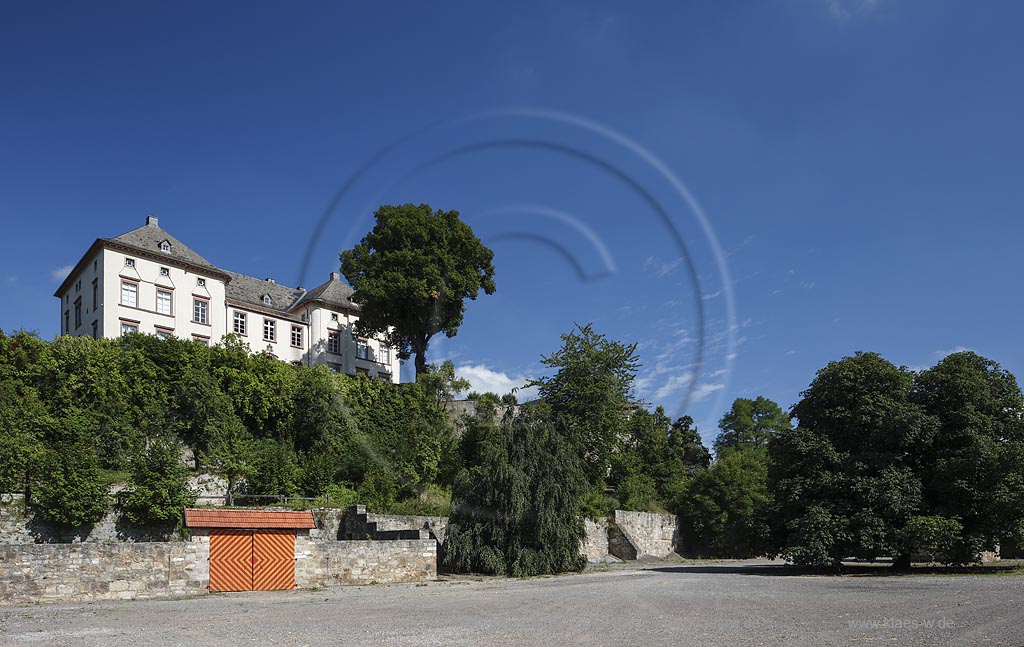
x,y
129,262
266,300
164,271
201,282
165,246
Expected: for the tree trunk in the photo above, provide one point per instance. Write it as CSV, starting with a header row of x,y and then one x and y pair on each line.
x,y
901,562
420,351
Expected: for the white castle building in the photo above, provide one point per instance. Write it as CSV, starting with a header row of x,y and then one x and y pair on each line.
x,y
148,281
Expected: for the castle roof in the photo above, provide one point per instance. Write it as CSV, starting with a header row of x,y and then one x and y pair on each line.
x,y
251,290
334,292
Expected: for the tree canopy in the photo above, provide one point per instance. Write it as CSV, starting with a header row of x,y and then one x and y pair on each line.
x,y
590,394
888,462
412,274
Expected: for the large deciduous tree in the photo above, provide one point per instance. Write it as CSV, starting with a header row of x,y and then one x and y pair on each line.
x,y
591,394
844,480
412,274
973,472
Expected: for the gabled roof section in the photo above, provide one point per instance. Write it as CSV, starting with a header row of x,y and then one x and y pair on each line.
x,y
148,239
334,292
251,290
249,519
145,242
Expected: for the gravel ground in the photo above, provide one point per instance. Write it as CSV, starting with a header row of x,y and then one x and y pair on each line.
x,y
661,604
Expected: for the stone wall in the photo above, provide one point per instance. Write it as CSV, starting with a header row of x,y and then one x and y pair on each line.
x,y
595,541
436,526
19,527
84,572
126,571
651,535
355,523
320,563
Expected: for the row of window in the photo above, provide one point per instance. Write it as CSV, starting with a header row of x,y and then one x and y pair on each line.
x,y
164,302
239,325
363,349
164,271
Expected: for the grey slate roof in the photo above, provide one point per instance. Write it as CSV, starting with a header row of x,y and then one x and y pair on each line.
x,y
334,292
250,290
148,238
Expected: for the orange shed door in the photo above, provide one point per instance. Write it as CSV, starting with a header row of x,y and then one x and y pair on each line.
x,y
273,560
230,560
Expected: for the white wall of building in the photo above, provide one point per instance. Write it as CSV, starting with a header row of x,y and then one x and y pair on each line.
x,y
150,277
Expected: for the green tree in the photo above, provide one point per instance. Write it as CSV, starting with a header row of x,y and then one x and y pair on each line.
x,y
412,274
232,452
723,508
441,382
158,485
973,470
590,395
70,490
515,505
275,469
24,421
750,424
843,481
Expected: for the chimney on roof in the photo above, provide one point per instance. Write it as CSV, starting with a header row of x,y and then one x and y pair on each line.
x,y
151,221
271,280
335,276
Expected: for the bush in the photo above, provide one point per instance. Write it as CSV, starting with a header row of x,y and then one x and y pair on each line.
x,y
637,492
274,469
341,496
70,491
937,539
159,485
378,491
432,501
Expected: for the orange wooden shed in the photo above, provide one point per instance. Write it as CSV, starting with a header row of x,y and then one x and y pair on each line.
x,y
251,550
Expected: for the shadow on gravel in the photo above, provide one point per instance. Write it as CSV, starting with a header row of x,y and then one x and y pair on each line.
x,y
847,570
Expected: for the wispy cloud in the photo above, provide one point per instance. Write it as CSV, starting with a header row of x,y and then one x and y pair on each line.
x,y
939,354
674,384
661,268
702,391
484,379
61,273
707,297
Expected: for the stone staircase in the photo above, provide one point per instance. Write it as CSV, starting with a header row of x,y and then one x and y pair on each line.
x,y
356,524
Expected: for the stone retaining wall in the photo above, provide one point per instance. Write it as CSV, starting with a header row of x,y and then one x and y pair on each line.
x,y
333,563
18,527
595,540
84,572
651,535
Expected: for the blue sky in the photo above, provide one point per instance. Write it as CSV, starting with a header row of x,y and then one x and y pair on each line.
x,y
858,164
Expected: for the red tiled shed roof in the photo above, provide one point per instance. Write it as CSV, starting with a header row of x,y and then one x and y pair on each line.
x,y
211,518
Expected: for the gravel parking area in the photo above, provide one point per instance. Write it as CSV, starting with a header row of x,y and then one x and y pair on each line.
x,y
664,604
